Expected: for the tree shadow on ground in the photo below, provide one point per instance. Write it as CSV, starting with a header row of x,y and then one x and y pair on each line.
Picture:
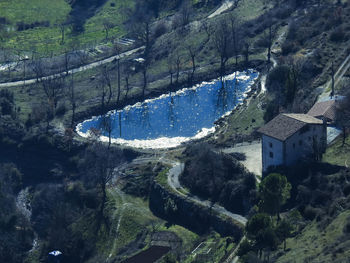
x,y
82,10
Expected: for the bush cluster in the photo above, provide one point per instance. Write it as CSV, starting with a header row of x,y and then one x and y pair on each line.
x,y
219,177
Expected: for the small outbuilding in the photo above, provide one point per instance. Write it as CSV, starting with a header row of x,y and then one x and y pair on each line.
x,y
324,110
291,137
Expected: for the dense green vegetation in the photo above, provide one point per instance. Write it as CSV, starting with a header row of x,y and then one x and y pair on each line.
x,y
218,177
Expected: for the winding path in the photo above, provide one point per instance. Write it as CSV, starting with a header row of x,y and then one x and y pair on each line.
x,y
174,183
71,71
225,6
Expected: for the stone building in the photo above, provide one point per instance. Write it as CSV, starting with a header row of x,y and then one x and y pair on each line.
x,y
291,137
324,110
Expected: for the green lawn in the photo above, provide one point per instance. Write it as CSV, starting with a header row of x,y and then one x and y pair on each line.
x,y
313,244
47,40
338,153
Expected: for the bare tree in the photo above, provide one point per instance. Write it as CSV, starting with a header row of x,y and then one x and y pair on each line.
x,y
222,46
38,69
343,115
62,27
192,52
332,74
126,73
105,80
72,98
107,125
207,27
118,50
67,57
178,62
235,36
246,53
144,33
99,166
171,68
144,74
107,25
53,89
185,13
270,40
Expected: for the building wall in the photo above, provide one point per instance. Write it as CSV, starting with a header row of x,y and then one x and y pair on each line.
x,y
302,144
274,146
298,146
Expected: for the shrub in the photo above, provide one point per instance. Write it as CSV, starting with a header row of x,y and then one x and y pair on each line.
x,y
159,30
346,229
310,212
61,109
337,35
346,189
288,47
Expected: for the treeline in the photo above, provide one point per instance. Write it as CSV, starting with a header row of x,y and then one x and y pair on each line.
x,y
313,191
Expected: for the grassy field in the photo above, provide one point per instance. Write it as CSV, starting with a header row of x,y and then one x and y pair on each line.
x,y
133,217
242,121
337,153
47,40
314,244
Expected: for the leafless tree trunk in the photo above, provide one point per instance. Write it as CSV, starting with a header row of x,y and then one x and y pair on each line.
x,y
206,26
192,53
106,81
332,72
235,36
66,61
185,13
246,53
107,126
62,29
221,43
343,115
178,67
117,49
126,72
171,69
99,167
107,25
72,98
127,87
144,74
38,69
269,44
53,89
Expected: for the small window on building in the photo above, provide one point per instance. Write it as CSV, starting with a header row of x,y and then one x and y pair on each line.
x,y
309,138
314,128
293,145
271,154
300,142
270,144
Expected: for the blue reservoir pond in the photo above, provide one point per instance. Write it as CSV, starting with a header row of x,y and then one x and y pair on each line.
x,y
171,119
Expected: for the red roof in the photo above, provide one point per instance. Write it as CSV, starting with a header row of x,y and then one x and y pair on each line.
x,y
325,109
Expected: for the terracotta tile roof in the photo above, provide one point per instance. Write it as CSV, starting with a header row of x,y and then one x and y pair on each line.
x,y
324,109
285,125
